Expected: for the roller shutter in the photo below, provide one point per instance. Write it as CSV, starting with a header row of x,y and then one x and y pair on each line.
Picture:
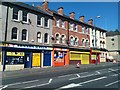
x,y
85,59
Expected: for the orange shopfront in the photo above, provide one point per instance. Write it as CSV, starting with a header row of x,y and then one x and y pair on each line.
x,y
60,57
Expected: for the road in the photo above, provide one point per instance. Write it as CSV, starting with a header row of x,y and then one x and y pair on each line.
x,y
93,78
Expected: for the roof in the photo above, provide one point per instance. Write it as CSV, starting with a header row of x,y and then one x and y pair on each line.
x,y
27,6
112,33
84,23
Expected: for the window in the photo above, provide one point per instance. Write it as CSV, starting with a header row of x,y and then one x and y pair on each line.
x,y
71,41
92,31
57,23
39,37
112,39
24,18
83,29
57,38
76,41
46,38
71,26
15,14
86,30
63,24
63,39
83,42
14,33
93,43
39,20
75,27
87,43
46,22
24,34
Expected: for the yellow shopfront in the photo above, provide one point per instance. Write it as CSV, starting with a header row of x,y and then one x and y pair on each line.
x,y
36,60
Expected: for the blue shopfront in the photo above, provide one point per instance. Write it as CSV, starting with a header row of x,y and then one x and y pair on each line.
x,y
15,57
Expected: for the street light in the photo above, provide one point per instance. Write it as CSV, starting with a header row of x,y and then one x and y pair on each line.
x,y
96,36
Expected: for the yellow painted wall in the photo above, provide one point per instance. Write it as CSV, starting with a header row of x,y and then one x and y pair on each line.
x,y
75,56
36,59
85,59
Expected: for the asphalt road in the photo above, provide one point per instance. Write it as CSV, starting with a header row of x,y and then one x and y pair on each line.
x,y
89,78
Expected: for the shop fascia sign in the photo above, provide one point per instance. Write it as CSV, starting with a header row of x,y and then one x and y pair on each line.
x,y
30,47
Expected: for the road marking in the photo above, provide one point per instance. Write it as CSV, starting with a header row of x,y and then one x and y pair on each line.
x,y
78,75
4,87
114,75
98,72
30,81
112,83
82,77
50,80
79,84
93,80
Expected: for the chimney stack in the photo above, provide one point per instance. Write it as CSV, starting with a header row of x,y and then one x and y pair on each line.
x,y
81,18
90,21
72,15
45,5
60,10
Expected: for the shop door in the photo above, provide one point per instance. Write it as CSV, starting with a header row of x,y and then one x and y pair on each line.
x,y
27,61
36,59
85,59
47,59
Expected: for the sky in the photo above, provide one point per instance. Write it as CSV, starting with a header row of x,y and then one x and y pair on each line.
x,y
108,12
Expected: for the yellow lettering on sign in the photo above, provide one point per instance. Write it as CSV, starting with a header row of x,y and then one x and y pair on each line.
x,y
15,53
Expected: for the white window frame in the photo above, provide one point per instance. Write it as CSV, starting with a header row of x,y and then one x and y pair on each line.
x,y
72,42
26,35
27,17
83,42
40,39
57,40
83,29
75,27
63,39
71,26
48,23
63,24
57,23
17,34
76,41
17,14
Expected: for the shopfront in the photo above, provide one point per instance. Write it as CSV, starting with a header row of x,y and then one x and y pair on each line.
x,y
95,56
79,56
60,57
17,56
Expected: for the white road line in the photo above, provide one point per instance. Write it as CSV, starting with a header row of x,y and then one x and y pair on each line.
x,y
50,80
112,83
4,87
78,75
92,80
114,75
98,72
30,81
82,77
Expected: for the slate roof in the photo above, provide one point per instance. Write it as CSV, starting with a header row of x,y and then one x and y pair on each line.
x,y
112,33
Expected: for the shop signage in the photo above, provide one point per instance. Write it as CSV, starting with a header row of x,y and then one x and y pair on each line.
x,y
15,53
29,47
95,50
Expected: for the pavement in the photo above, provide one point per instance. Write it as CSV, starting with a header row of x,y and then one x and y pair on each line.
x,y
32,71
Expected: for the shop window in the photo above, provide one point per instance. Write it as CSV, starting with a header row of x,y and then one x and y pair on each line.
x,y
39,37
58,56
15,14
14,33
57,38
46,38
24,34
71,41
24,16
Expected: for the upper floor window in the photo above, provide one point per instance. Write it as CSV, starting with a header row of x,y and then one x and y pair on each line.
x,y
112,39
76,41
63,24
24,16
71,26
39,20
86,30
92,31
39,37
71,41
83,29
46,38
24,34
46,22
93,43
87,43
57,22
63,39
14,33
15,14
75,27
83,44
57,38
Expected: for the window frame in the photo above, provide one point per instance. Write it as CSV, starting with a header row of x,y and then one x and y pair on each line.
x,y
15,11
25,15
45,38
14,28
48,26
39,37
26,35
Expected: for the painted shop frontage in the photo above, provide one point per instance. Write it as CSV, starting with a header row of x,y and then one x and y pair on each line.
x,y
17,56
60,56
95,56
79,55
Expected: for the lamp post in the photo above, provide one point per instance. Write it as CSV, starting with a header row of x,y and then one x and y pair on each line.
x,y
96,36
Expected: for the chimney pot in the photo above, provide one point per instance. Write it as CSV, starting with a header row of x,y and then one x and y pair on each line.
x,y
45,5
72,15
81,18
90,21
60,10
